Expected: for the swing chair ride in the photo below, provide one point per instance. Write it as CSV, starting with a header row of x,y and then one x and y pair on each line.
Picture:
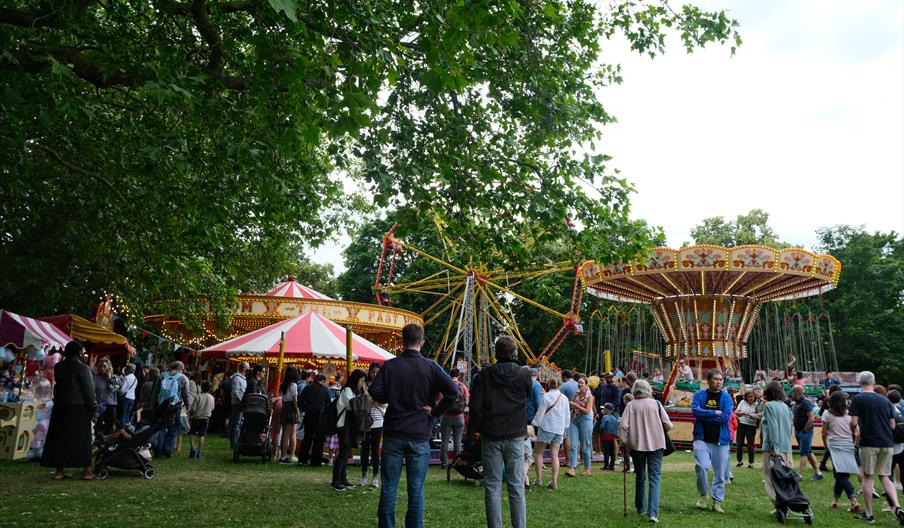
x,y
476,303
706,300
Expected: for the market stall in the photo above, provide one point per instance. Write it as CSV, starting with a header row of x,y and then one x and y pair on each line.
x,y
98,340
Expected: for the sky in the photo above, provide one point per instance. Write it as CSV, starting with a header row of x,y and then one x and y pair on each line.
x,y
806,122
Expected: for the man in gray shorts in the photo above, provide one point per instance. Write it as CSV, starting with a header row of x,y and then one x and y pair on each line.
x,y
875,417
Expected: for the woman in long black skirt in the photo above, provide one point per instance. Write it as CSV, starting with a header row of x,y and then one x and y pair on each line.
x,y
68,442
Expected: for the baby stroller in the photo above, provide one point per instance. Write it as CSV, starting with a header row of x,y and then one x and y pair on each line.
x,y
790,502
254,429
468,463
124,453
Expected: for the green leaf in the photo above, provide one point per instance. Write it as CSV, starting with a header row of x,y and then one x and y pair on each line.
x,y
285,6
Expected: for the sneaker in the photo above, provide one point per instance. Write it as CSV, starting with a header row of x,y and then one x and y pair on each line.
x,y
818,476
570,472
191,454
284,460
865,517
586,473
337,486
538,483
198,456
364,480
527,485
348,484
702,503
834,506
899,513
899,486
739,464
717,507
749,466
375,482
630,470
854,508
552,485
654,520
292,459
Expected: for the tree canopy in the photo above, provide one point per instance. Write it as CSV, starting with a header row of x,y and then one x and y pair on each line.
x,y
179,149
750,228
867,308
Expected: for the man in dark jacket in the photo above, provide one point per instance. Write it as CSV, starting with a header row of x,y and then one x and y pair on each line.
x,y
499,413
312,400
409,384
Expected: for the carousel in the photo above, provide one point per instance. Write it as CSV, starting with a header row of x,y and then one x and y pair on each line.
x,y
705,301
381,325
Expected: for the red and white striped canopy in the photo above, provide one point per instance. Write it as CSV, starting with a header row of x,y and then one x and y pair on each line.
x,y
294,290
21,332
307,335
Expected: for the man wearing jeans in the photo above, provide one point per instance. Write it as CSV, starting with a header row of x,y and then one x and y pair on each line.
x,y
409,383
712,408
499,413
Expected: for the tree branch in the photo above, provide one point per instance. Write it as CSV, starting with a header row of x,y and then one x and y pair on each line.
x,y
201,16
55,156
26,19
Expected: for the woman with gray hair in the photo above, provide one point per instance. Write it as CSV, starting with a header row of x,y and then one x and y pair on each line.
x,y
642,429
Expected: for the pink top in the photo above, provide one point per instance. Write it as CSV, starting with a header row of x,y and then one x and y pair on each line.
x,y
642,425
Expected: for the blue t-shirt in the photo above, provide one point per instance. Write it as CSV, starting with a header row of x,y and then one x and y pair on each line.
x,y
874,414
569,389
827,383
534,400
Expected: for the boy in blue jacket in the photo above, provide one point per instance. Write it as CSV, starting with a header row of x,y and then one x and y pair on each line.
x,y
712,408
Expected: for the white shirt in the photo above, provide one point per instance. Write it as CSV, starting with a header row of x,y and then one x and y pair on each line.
x,y
345,397
558,418
129,383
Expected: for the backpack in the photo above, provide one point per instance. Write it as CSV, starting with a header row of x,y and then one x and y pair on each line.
x,y
329,418
169,388
458,404
358,419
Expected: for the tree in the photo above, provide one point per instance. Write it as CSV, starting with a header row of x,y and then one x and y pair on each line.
x,y
752,228
867,308
184,149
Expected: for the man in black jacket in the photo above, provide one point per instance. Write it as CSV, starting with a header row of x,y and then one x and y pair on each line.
x,y
409,384
498,411
312,400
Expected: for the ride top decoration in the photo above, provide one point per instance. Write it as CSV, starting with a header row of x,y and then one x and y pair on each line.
x,y
381,325
705,299
477,302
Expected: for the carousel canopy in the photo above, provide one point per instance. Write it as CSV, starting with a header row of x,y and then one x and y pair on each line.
x,y
308,335
85,331
294,290
21,332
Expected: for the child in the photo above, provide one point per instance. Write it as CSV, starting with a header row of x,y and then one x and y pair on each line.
x,y
201,408
609,430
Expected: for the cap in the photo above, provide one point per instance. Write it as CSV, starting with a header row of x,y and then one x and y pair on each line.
x,y
534,372
609,407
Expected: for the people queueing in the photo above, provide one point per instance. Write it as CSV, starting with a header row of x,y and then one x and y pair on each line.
x,y
370,444
171,389
712,408
748,423
452,422
642,429
314,398
775,438
200,410
499,414
290,416
409,384
550,423
238,385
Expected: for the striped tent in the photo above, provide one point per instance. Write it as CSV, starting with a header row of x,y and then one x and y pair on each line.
x,y
309,335
294,290
22,332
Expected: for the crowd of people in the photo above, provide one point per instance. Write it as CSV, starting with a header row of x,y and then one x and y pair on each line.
x,y
504,412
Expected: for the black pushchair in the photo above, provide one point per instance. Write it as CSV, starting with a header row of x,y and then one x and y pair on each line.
x,y
124,453
790,501
254,429
468,463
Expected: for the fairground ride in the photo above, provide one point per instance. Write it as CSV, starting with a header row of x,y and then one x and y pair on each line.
x,y
475,304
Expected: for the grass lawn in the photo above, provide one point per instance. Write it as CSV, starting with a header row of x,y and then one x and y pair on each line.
x,y
218,492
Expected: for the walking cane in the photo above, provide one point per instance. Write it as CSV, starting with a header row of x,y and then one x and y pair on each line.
x,y
625,488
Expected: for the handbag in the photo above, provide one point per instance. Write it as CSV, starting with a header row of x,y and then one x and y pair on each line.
x,y
669,446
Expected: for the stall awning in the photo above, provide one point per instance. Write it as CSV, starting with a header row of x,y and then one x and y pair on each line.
x,y
21,332
85,331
